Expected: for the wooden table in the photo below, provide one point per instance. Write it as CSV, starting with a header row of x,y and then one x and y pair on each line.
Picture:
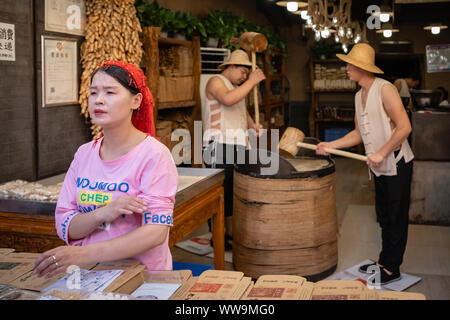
x,y
194,205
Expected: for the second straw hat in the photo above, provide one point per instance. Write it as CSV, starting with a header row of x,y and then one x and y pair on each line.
x,y
238,57
362,55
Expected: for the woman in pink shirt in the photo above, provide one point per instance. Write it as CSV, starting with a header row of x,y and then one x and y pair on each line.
x,y
118,195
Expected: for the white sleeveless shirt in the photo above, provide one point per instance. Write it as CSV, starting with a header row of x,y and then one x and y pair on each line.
x,y
375,129
225,124
404,90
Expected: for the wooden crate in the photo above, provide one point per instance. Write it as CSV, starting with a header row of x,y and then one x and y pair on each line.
x,y
175,89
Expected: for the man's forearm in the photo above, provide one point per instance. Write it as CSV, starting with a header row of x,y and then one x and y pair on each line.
x,y
351,139
397,138
236,95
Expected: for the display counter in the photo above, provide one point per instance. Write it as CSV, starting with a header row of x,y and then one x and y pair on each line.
x,y
431,167
30,225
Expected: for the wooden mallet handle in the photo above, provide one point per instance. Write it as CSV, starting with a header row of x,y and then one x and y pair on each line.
x,y
255,91
334,151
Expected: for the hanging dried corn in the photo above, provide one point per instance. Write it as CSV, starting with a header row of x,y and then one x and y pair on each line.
x,y
112,33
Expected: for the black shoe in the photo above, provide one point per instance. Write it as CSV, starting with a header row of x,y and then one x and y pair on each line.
x,y
364,268
385,278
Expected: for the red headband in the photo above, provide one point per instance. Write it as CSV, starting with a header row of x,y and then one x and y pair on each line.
x,y
142,119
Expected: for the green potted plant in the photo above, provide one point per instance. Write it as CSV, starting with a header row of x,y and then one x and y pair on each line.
x,y
153,15
215,29
222,25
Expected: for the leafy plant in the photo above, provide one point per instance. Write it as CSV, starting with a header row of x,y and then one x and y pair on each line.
x,y
152,15
326,48
222,25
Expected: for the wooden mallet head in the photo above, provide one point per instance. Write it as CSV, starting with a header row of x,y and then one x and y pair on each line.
x,y
251,42
288,147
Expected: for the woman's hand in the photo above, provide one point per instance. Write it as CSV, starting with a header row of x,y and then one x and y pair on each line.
x,y
374,159
120,206
57,260
320,148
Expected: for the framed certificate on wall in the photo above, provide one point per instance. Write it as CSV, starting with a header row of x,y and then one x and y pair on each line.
x,y
59,71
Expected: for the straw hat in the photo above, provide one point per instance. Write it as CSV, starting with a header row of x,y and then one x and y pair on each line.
x,y
362,55
239,57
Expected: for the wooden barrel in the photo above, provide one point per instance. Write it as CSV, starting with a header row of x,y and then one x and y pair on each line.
x,y
286,225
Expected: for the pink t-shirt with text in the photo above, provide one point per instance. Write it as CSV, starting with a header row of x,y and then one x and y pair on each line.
x,y
148,172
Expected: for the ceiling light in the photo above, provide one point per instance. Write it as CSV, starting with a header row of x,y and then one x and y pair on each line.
x,y
435,28
387,30
325,33
387,33
292,5
317,36
302,13
385,13
384,17
349,33
344,47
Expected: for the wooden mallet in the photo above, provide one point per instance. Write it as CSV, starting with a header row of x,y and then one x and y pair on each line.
x,y
292,141
252,42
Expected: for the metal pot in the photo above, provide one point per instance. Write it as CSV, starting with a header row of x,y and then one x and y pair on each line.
x,y
425,98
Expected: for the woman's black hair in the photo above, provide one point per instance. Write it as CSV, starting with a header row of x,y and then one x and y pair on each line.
x,y
121,75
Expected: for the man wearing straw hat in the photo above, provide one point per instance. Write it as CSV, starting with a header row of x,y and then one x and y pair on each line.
x,y
381,123
226,121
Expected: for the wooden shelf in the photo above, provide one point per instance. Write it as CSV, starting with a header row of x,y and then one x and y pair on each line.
x,y
316,94
176,104
190,109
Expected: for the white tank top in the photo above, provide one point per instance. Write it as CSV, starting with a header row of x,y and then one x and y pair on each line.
x,y
375,129
404,90
225,124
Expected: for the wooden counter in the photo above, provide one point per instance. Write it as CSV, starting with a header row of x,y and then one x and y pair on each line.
x,y
199,197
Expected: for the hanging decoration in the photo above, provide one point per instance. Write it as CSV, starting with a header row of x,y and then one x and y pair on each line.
x,y
112,33
332,18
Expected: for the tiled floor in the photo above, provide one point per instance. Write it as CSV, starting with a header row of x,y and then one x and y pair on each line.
x,y
428,250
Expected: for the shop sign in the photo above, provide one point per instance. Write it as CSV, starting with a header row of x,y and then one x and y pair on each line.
x,y
7,42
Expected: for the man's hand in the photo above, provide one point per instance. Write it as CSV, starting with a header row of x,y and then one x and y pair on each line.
x,y
256,77
320,148
375,159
